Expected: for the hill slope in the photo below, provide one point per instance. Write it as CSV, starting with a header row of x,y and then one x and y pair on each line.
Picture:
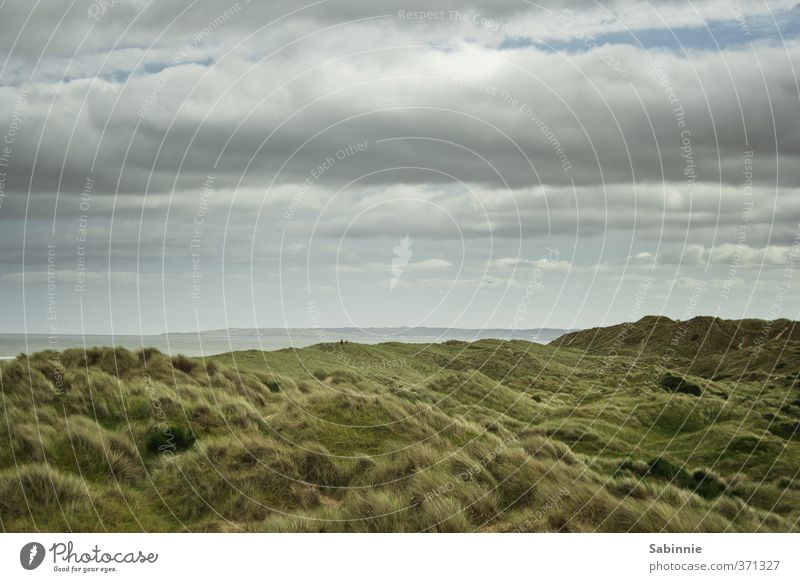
x,y
706,346
491,435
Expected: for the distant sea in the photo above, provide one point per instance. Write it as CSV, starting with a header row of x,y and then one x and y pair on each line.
x,y
222,341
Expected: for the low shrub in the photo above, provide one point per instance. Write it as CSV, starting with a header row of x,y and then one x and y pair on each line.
x,y
184,364
170,440
272,384
708,485
703,482
662,468
785,430
679,384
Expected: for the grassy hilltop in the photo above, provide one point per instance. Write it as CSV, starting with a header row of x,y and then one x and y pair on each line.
x,y
652,426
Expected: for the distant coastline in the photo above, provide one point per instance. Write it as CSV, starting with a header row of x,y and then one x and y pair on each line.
x,y
384,332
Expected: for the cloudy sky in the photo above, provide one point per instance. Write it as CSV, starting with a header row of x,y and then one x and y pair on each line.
x,y
505,163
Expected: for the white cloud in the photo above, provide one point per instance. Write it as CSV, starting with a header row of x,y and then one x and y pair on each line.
x,y
542,263
734,255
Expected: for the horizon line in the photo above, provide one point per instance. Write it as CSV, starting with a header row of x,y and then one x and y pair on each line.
x,y
351,327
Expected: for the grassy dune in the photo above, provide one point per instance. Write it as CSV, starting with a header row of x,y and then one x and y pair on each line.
x,y
487,436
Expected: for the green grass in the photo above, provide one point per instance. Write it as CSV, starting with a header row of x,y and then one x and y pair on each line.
x,y
488,436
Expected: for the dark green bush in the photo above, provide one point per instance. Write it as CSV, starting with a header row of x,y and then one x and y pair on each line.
x,y
273,384
679,384
170,440
701,482
662,468
707,485
785,430
182,363
147,354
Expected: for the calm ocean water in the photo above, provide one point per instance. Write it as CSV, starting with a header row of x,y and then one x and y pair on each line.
x,y
194,345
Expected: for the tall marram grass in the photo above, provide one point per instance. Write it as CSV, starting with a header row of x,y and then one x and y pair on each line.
x,y
489,436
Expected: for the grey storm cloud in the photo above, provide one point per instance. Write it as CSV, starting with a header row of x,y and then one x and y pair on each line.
x,y
331,129
535,118
53,28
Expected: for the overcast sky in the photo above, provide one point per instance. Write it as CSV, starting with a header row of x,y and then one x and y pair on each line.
x,y
198,165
